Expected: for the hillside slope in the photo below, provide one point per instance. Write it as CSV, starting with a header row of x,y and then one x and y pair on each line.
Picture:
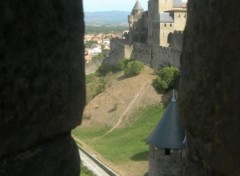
x,y
122,97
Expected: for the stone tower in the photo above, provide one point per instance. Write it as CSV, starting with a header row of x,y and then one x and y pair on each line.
x,y
135,16
164,16
167,144
165,5
135,22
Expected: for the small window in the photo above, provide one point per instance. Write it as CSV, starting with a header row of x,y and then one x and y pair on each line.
x,y
185,16
179,15
170,25
165,25
167,152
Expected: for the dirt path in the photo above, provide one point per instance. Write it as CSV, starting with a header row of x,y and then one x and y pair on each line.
x,y
136,97
122,97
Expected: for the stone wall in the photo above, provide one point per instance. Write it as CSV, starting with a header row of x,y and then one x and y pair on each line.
x,y
162,165
209,91
156,56
119,50
177,40
164,56
142,52
42,86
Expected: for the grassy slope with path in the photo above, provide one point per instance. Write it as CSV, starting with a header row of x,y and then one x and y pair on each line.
x,y
124,149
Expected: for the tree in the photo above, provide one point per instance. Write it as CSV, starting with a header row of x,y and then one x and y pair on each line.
x,y
122,64
167,78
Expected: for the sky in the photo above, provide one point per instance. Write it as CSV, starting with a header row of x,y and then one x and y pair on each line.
x,y
108,5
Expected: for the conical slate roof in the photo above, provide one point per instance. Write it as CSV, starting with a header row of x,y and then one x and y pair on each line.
x,y
137,6
169,133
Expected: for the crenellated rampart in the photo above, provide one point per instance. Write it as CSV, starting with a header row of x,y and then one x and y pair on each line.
x,y
177,40
154,56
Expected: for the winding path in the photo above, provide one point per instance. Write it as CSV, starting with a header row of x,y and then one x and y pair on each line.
x,y
136,97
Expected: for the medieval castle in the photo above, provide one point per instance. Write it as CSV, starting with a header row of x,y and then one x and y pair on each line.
x,y
155,36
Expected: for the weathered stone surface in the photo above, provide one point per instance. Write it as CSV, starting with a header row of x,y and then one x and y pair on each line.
x,y
42,86
161,164
57,157
209,91
42,91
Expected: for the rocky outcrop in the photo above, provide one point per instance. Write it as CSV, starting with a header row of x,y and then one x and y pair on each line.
x,y
209,91
42,91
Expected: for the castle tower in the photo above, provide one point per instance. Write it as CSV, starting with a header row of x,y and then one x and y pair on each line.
x,y
167,144
136,22
164,17
136,14
165,5
137,9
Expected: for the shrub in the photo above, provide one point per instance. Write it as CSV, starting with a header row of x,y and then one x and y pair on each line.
x,y
167,78
106,68
133,68
122,64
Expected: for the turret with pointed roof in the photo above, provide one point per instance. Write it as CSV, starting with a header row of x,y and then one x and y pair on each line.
x,y
137,9
137,6
169,133
137,24
167,144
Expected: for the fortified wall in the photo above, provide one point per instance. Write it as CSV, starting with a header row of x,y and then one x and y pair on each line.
x,y
157,56
119,50
177,40
154,56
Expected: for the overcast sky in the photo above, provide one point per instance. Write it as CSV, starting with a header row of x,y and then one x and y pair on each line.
x,y
108,5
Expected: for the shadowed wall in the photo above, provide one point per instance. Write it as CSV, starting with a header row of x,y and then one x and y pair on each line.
x,y
42,91
209,91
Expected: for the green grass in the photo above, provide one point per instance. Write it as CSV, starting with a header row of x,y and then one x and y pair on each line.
x,y
94,85
85,171
125,144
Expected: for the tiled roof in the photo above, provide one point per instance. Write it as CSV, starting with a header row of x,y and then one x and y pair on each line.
x,y
169,132
163,17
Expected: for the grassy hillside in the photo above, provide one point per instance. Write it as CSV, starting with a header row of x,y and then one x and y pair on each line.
x,y
121,113
124,145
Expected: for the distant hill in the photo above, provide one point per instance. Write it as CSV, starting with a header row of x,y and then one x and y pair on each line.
x,y
108,18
